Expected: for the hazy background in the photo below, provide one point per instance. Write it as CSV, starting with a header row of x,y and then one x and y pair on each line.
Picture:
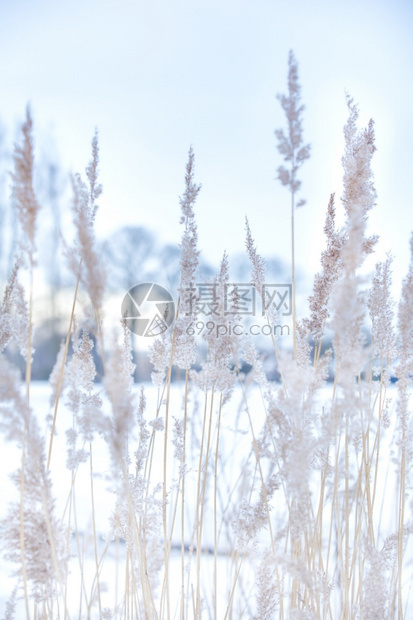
x,y
155,77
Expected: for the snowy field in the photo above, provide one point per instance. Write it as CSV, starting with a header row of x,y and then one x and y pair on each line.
x,y
236,468
235,456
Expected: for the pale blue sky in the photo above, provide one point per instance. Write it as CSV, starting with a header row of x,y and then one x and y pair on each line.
x,y
158,76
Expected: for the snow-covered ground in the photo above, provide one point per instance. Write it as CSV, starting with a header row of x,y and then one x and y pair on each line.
x,y
234,456
236,468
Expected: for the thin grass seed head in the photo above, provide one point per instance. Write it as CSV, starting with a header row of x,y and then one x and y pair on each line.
x,y
83,401
184,354
348,299
92,272
144,434
216,370
405,312
14,313
44,568
119,383
159,356
331,264
24,198
404,368
381,310
290,144
257,262
359,193
267,595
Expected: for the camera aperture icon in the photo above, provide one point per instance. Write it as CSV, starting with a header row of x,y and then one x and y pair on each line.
x,y
148,309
